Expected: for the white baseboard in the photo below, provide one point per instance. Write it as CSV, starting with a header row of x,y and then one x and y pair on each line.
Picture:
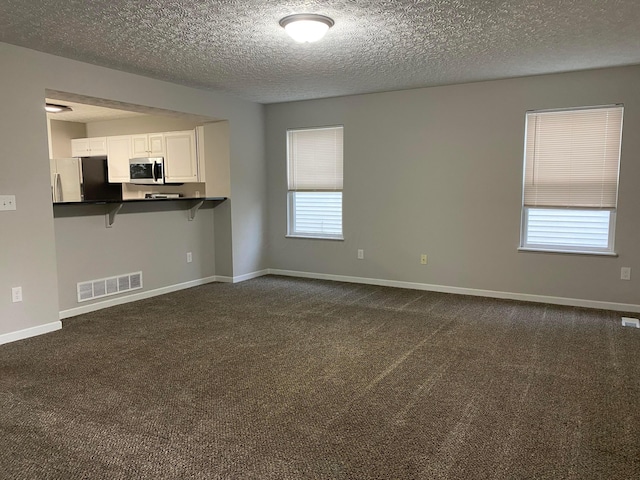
x,y
223,279
242,278
249,276
30,332
72,312
573,302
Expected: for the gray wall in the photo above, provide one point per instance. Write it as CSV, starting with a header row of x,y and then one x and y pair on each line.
x,y
135,125
153,239
439,171
61,135
28,240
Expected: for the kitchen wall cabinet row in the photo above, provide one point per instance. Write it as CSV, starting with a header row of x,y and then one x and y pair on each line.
x,y
89,147
177,148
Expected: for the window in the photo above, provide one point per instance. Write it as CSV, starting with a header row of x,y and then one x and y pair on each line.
x,y
571,164
314,170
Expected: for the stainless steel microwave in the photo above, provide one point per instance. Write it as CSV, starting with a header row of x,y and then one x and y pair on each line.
x,y
146,170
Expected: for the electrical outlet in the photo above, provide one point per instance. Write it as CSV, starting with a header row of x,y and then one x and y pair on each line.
x,y
16,294
423,259
189,257
625,273
7,202
360,254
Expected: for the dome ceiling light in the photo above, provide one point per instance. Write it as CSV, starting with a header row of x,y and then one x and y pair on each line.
x,y
54,108
306,27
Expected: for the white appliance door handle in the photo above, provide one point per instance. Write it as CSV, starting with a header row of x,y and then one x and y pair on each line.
x,y
54,187
59,188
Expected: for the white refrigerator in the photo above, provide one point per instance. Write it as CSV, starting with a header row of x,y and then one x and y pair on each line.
x,y
66,179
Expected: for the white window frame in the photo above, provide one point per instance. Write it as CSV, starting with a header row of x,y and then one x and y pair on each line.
x,y
524,223
291,212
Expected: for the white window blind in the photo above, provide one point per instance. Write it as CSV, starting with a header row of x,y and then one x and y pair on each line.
x,y
317,213
572,157
315,159
582,229
315,181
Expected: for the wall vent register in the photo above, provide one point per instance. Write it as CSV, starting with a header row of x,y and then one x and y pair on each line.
x,y
105,287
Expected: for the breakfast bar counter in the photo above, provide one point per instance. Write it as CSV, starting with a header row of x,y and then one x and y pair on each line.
x,y
192,204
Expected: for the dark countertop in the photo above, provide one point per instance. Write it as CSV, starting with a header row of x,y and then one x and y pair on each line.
x,y
138,200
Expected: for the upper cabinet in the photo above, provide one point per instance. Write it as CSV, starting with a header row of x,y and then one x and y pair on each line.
x,y
118,155
89,147
147,145
180,161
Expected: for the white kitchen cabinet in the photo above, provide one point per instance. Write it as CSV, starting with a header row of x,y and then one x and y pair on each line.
x,y
177,148
180,160
118,155
147,145
89,147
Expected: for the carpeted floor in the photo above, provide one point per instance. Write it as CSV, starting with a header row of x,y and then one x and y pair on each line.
x,y
280,378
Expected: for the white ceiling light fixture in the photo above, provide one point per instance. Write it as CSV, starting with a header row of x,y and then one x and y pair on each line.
x,y
55,108
306,27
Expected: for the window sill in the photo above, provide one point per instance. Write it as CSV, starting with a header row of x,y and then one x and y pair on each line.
x,y
574,252
312,237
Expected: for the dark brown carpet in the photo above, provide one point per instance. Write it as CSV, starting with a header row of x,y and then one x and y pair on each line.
x,y
280,378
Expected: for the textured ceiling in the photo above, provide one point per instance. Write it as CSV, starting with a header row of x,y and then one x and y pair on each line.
x,y
238,47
